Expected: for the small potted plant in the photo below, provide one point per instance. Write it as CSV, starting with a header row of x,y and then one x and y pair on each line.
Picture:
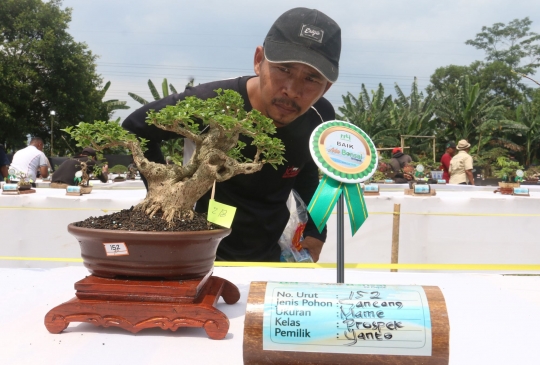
x,y
82,179
165,249
505,169
119,170
24,183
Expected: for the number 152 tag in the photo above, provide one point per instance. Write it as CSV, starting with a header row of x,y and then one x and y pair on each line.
x,y
221,214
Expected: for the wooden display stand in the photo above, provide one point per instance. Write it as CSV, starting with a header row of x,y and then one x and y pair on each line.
x,y
138,304
253,338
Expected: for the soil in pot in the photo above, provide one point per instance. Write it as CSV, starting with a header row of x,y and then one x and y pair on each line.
x,y
134,220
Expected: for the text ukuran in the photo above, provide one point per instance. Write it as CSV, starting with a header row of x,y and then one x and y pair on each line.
x,y
347,318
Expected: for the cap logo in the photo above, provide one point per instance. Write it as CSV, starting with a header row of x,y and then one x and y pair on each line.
x,y
312,32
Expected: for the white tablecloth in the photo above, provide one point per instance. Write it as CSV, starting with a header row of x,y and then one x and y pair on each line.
x,y
480,310
35,225
451,227
110,185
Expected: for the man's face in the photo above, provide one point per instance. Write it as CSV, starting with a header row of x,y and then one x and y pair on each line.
x,y
451,151
286,90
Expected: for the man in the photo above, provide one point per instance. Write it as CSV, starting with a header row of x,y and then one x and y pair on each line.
x,y
65,174
399,160
3,163
296,66
461,165
446,158
31,159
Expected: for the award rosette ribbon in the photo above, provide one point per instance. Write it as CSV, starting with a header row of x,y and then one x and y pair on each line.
x,y
347,156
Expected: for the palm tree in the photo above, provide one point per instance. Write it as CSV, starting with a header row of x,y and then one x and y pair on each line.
x,y
154,92
468,112
530,120
371,114
113,104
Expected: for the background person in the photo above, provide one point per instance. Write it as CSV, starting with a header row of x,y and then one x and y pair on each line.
x,y
461,165
30,160
297,65
446,158
399,160
65,174
4,163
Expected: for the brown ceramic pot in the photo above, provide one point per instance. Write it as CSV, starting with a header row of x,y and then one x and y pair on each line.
x,y
171,255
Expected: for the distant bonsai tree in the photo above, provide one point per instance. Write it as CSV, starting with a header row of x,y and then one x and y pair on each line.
x,y
118,169
174,189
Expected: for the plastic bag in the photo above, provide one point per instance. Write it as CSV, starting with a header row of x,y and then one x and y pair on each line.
x,y
291,249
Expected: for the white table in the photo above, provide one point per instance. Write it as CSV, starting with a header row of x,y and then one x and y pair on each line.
x,y
451,228
35,225
109,185
480,310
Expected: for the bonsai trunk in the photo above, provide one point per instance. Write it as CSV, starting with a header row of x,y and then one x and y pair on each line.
x,y
175,189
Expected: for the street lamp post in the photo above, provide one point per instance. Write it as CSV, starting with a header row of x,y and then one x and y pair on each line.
x,y
53,113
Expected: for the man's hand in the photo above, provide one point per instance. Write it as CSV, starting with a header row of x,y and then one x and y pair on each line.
x,y
314,246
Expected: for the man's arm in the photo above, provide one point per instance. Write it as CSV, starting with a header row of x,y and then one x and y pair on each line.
x,y
470,176
4,171
44,171
468,169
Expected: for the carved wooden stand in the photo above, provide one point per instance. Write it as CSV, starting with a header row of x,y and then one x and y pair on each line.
x,y
137,304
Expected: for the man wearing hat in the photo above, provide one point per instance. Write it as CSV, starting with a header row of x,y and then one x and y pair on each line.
x,y
297,64
65,174
399,160
461,165
446,158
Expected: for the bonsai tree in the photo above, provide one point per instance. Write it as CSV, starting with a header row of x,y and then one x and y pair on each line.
x,y
173,189
506,169
118,169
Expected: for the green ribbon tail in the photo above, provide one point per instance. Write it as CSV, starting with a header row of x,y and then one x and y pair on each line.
x,y
325,198
356,206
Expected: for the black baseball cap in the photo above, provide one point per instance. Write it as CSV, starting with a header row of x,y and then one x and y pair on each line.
x,y
306,36
88,151
451,144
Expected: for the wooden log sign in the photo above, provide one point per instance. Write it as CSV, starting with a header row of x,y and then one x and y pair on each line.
x,y
307,323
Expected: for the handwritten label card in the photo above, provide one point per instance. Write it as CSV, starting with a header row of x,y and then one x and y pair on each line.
x,y
116,249
421,189
371,188
347,319
521,191
10,187
221,214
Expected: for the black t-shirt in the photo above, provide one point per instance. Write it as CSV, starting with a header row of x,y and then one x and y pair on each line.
x,y
65,173
260,198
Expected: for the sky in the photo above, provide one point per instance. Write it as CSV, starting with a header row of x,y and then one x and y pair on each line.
x,y
383,41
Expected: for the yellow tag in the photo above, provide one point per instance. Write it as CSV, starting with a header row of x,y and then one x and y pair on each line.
x,y
221,214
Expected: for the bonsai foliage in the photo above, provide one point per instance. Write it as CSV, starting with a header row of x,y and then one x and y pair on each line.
x,y
174,189
506,168
118,169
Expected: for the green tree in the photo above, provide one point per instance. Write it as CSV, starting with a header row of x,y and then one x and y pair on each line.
x,y
413,114
371,114
154,91
43,69
529,117
509,47
468,112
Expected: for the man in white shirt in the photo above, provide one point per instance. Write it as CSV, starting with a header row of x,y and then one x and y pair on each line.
x,y
30,159
461,165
